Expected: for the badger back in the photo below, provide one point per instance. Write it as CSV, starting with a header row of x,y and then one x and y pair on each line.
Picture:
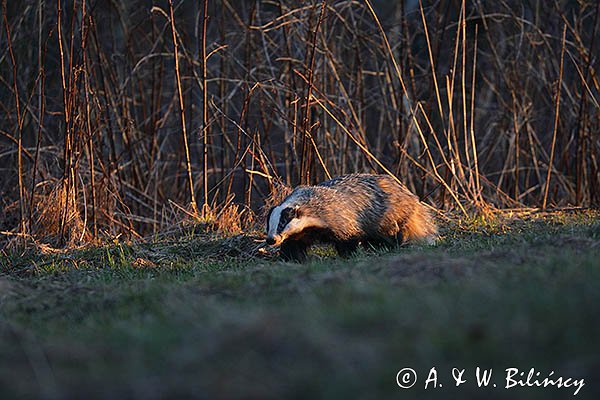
x,y
364,202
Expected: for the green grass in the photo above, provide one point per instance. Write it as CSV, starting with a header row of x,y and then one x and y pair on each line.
x,y
209,319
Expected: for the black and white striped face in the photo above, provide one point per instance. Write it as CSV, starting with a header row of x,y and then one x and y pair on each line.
x,y
292,216
279,220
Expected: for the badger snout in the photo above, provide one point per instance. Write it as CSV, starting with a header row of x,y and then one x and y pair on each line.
x,y
274,240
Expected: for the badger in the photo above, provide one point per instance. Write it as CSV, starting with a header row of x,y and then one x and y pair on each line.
x,y
348,211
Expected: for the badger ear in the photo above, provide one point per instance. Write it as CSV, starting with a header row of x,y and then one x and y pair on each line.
x,y
297,212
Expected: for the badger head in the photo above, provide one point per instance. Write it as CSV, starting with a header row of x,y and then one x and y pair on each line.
x,y
289,219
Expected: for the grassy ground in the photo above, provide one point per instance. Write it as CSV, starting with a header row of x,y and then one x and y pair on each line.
x,y
204,319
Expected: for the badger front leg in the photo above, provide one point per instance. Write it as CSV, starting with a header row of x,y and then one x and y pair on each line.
x,y
293,250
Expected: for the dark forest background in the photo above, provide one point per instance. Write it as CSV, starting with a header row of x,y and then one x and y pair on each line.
x,y
129,117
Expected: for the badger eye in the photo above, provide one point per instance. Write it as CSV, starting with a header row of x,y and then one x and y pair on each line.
x,y
287,213
292,212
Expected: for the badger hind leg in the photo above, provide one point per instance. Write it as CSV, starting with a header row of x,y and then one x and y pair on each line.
x,y
294,250
346,248
384,243
420,226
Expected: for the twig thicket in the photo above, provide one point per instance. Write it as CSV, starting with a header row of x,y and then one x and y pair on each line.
x,y
123,113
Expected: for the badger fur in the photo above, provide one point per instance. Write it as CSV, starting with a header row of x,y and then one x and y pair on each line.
x,y
347,211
